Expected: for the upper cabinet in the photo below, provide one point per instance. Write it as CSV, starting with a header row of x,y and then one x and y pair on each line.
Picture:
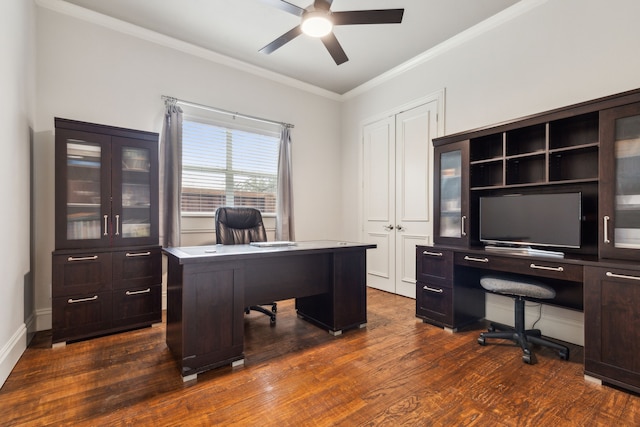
x,y
451,194
619,201
591,148
106,186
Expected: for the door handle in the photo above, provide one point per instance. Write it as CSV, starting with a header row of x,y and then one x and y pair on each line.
x,y
606,229
388,227
399,227
471,258
462,225
621,276
542,267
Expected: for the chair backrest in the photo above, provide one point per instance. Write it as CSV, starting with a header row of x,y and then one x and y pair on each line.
x,y
236,226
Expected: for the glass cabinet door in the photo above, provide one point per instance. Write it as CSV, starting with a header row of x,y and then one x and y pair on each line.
x,y
84,193
451,200
621,166
83,217
133,204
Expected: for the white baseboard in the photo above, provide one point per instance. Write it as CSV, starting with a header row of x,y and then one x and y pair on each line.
x,y
559,323
11,352
44,319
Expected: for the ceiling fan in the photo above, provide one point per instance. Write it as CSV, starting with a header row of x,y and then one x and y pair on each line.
x,y
318,21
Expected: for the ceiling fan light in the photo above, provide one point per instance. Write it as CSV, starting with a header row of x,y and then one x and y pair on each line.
x,y
316,24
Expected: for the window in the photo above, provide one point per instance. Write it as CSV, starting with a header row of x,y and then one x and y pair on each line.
x,y
227,164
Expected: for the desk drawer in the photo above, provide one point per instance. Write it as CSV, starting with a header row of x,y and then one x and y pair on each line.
x,y
435,304
434,265
550,268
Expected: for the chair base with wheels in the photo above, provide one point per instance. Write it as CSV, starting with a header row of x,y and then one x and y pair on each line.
x,y
271,313
520,288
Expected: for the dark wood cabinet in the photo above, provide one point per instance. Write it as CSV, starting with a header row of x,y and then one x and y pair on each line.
x,y
438,301
592,148
612,336
619,234
107,266
451,194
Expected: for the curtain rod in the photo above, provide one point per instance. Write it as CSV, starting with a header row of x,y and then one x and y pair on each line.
x,y
221,111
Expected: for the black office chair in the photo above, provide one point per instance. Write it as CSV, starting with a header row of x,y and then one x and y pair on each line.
x,y
237,226
520,288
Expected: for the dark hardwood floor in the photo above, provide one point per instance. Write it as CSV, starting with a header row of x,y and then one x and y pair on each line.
x,y
396,371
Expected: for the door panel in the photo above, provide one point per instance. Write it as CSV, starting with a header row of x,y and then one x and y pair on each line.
x,y
379,197
413,192
397,188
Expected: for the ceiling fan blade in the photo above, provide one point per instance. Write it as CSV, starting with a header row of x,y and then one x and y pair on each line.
x,y
322,4
335,50
282,40
286,6
356,17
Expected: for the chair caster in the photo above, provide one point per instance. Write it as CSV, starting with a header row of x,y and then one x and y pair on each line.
x,y
526,358
491,328
481,340
274,308
272,322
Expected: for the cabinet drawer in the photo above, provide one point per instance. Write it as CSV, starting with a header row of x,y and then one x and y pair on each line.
x,y
434,303
434,265
550,268
80,273
80,315
137,305
137,268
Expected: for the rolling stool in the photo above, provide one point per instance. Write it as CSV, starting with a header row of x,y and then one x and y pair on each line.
x,y
520,288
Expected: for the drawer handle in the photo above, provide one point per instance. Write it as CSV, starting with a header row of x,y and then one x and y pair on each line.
x,y
437,291
621,276
73,301
470,258
432,253
542,267
130,254
82,258
146,291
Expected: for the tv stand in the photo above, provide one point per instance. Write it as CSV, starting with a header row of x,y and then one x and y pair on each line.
x,y
524,250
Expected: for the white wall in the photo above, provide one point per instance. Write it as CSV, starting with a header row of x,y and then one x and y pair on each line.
x,y
90,73
557,53
17,86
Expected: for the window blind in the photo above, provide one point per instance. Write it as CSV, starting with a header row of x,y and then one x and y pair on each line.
x,y
227,165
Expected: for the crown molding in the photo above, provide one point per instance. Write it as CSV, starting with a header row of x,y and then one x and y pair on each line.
x,y
63,7
518,9
123,27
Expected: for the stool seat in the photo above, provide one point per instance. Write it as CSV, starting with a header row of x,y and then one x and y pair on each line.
x,y
520,288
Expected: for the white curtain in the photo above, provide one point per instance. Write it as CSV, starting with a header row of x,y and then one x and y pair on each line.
x,y
170,174
284,207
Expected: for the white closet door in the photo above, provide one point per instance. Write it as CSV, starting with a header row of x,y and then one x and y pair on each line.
x,y
379,202
397,195
413,191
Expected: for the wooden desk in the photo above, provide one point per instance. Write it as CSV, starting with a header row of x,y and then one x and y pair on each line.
x,y
209,286
448,294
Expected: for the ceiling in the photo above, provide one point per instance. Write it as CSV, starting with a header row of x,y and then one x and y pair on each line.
x,y
239,28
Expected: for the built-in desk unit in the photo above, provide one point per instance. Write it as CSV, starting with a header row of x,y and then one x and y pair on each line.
x,y
592,148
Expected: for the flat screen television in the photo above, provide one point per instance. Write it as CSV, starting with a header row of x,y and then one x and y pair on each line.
x,y
547,220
